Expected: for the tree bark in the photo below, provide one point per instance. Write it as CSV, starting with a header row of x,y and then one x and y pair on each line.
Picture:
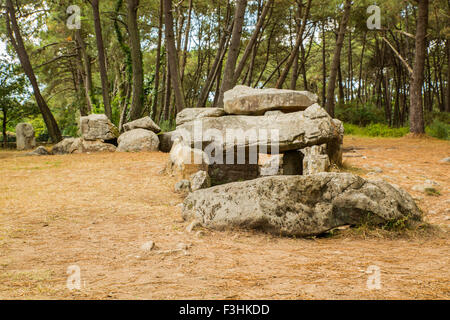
x,y
233,52
216,67
337,57
324,67
137,102
295,65
252,42
158,62
294,52
19,46
186,41
173,56
447,102
5,121
86,61
416,120
101,58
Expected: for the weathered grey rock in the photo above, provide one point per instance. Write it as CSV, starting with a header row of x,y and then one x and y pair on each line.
x,y
166,141
427,185
300,205
445,160
138,140
66,146
244,100
79,145
25,139
143,123
296,130
91,146
271,165
190,114
148,246
183,186
39,151
315,160
185,161
289,163
200,180
273,113
98,127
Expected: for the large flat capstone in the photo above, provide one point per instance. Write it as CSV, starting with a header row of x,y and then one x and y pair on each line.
x,y
244,100
286,132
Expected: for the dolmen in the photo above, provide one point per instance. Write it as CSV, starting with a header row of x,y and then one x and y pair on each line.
x,y
264,162
289,126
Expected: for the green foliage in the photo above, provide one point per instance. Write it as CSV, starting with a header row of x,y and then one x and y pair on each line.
x,y
439,130
432,192
430,117
167,126
361,116
375,130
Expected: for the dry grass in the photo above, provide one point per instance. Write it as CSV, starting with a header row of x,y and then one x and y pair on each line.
x,y
95,211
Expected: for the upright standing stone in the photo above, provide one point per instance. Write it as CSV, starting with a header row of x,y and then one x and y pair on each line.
x,y
25,136
98,127
316,160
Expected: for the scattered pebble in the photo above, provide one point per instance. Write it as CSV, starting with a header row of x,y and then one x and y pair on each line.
x,y
377,169
148,246
183,186
431,183
192,226
182,246
199,234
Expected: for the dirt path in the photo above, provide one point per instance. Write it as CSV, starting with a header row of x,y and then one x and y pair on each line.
x,y
95,211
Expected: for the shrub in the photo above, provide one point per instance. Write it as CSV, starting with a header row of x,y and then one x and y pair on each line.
x,y
438,129
361,116
375,130
167,125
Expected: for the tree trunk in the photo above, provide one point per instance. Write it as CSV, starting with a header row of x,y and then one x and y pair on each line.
x,y
324,67
158,63
216,67
19,46
101,58
5,121
294,52
137,103
86,61
361,66
186,41
295,65
173,56
447,102
417,125
233,52
251,42
337,57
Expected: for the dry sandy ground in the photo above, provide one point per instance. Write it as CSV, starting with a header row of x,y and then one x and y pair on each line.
x,y
95,212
